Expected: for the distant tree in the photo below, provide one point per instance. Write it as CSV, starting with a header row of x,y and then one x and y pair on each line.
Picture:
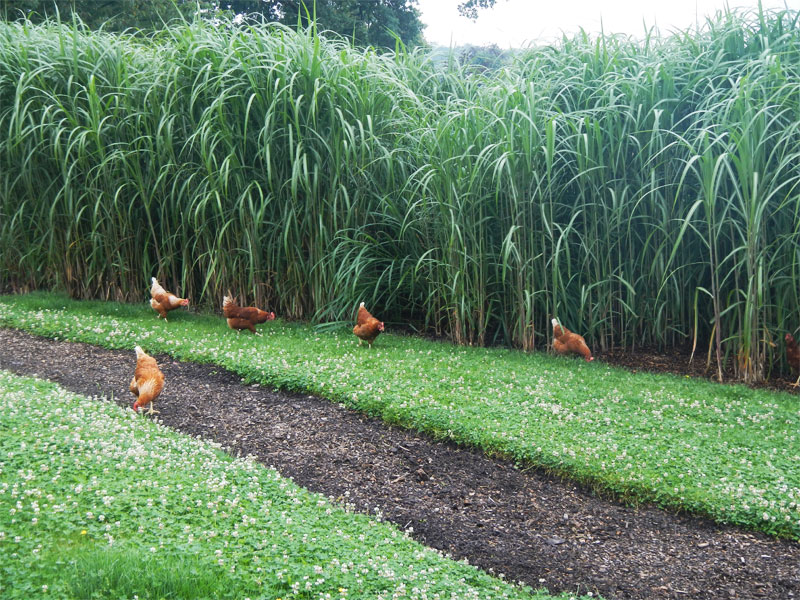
x,y
116,15
486,58
270,10
469,8
365,22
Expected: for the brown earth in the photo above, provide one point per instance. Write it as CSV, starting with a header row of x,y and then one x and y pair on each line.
x,y
521,523
680,361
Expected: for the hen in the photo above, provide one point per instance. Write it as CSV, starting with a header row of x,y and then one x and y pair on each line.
x,y
793,355
162,301
367,327
244,317
564,342
147,382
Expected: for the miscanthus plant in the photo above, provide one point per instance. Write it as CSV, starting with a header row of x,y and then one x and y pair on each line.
x,y
96,502
643,190
728,452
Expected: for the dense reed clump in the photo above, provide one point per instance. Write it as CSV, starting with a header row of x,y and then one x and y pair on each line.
x,y
644,191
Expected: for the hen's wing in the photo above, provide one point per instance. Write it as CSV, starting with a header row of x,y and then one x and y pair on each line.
x,y
369,330
251,313
149,382
577,344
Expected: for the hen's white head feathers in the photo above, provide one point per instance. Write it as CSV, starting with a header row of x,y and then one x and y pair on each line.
x,y
554,322
139,351
361,305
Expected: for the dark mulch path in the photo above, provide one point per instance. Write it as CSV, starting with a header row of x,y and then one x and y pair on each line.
x,y
526,525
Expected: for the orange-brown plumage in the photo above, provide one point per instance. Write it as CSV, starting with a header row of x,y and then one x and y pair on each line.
x,y
147,382
367,327
793,355
244,317
565,342
163,301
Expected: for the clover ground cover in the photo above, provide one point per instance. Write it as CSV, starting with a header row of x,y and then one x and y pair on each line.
x,y
728,452
97,502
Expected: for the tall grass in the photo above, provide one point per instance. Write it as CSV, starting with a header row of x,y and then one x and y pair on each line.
x,y
644,191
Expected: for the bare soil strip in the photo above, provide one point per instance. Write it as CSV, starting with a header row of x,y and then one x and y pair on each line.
x,y
523,524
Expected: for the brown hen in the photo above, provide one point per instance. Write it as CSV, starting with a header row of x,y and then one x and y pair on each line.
x,y
163,301
147,382
793,355
367,327
244,317
565,342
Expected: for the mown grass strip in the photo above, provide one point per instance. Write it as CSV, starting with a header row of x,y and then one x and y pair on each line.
x,y
97,502
729,452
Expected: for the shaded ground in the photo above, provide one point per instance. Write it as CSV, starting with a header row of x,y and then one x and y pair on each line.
x,y
679,361
526,525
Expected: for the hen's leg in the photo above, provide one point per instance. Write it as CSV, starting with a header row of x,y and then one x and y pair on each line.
x,y
796,383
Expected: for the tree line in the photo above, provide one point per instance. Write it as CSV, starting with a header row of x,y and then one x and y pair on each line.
x,y
378,23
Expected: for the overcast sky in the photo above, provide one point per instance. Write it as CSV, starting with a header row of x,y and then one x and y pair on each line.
x,y
514,23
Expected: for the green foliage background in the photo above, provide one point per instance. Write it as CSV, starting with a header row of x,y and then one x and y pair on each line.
x,y
375,23
646,192
112,15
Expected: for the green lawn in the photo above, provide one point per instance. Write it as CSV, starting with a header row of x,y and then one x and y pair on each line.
x,y
97,502
727,452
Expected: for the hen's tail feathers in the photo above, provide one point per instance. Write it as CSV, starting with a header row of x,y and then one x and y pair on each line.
x,y
155,287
